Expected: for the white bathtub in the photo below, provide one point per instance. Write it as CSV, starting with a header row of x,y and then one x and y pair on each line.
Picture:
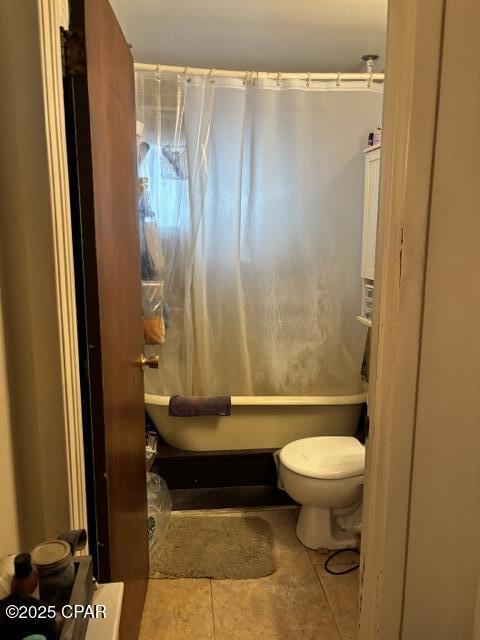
x,y
258,422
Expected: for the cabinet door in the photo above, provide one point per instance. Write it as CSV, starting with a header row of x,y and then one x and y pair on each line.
x,y
370,211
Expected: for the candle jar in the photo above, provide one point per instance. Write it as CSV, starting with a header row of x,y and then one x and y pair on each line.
x,y
56,572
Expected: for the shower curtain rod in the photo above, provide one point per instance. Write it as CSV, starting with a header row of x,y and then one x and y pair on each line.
x,y
271,75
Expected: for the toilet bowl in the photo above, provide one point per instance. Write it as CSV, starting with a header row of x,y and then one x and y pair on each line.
x,y
324,475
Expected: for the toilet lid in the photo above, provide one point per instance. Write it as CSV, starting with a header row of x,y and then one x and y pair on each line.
x,y
326,457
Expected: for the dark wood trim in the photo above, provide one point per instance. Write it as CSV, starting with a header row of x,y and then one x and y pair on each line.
x,y
85,264
245,497
208,469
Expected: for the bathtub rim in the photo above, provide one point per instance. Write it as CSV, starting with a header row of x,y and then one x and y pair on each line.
x,y
272,401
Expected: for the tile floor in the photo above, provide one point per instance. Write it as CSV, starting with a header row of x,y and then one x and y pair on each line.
x,y
300,600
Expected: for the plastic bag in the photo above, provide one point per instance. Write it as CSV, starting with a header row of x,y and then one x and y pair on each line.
x,y
153,312
152,262
7,570
159,509
276,458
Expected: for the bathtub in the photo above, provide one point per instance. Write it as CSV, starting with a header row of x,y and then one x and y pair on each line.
x,y
258,422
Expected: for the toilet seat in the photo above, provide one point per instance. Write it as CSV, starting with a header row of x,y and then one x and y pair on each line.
x,y
325,457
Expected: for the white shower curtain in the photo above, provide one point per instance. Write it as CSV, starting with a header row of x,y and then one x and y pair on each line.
x,y
254,230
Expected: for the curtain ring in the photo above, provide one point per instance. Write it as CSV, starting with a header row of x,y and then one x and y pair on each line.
x,y
210,73
247,77
370,78
158,73
279,77
185,71
339,78
309,77
256,79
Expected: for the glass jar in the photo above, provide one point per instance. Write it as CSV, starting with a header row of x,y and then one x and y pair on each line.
x,y
56,572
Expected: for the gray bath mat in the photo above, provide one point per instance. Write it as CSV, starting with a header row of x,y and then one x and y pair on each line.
x,y
214,546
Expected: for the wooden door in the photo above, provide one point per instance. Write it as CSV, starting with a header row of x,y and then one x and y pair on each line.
x,y
100,113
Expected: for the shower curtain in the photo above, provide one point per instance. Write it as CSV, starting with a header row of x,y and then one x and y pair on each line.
x,y
251,200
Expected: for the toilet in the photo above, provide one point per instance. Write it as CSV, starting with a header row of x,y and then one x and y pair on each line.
x,y
324,474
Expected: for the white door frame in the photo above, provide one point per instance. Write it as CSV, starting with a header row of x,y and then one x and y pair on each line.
x,y
414,49
52,13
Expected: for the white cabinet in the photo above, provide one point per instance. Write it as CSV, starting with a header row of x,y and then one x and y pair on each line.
x,y
370,212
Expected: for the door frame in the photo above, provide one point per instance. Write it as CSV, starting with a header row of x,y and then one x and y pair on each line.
x,y
411,96
52,14
414,56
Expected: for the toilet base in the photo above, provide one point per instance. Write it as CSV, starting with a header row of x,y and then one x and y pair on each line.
x,y
316,530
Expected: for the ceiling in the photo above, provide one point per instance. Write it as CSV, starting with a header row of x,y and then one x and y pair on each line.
x,y
261,35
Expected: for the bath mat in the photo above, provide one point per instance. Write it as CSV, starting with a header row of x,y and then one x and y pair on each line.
x,y
237,547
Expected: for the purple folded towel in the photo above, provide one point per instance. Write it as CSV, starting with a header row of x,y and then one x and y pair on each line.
x,y
189,406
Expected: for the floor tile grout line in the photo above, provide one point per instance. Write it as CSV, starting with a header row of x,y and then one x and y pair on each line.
x,y
312,563
334,617
324,591
213,609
